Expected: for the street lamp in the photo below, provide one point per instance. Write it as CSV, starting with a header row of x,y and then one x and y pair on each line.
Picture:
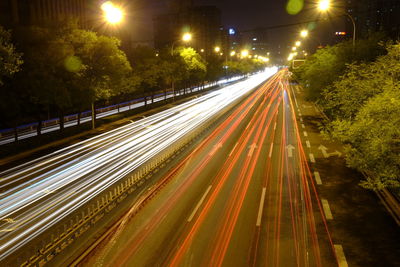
x,y
304,33
112,14
324,5
294,48
233,53
217,49
244,53
186,37
297,43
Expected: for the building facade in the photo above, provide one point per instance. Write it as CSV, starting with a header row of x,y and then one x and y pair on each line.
x,y
375,15
203,22
37,12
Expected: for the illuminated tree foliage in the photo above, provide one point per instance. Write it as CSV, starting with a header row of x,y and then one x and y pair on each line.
x,y
327,64
10,60
364,107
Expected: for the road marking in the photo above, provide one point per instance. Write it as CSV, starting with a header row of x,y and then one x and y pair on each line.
x,y
199,204
270,150
303,126
341,258
275,126
251,149
300,114
327,155
301,119
327,209
131,121
233,149
312,159
305,133
308,144
290,148
317,178
261,207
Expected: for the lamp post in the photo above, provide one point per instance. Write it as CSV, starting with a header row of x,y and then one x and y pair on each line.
x,y
113,15
187,37
324,5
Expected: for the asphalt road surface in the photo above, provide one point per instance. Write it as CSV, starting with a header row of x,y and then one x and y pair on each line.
x,y
47,196
245,196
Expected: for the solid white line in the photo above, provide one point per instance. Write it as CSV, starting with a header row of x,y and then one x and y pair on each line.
x,y
318,178
312,159
261,207
341,258
303,126
305,133
308,144
233,149
327,209
199,204
275,126
247,126
270,150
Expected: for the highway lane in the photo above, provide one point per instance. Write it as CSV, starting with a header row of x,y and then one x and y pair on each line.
x,y
243,198
38,194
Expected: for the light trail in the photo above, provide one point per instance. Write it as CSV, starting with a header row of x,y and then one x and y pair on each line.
x,y
40,193
231,123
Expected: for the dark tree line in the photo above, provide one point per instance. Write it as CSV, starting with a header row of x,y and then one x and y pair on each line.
x,y
52,71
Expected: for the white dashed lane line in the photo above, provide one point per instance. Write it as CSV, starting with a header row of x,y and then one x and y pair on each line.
x,y
312,159
305,133
341,258
327,209
308,144
317,178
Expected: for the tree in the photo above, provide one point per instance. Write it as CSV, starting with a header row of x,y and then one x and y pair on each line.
x,y
364,106
324,67
195,66
10,64
10,59
105,70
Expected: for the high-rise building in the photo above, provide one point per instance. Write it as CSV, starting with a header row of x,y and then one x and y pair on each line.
x,y
204,22
36,12
375,15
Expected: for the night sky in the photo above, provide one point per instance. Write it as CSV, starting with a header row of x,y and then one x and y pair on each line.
x,y
246,15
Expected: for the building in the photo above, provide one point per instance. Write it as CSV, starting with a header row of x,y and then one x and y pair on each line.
x,y
36,12
203,22
375,15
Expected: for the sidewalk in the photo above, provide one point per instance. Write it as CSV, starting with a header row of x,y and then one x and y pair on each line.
x,y
357,219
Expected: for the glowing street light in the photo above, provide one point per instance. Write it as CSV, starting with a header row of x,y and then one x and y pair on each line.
x,y
324,5
112,13
187,37
217,49
294,48
297,43
304,33
244,53
233,53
